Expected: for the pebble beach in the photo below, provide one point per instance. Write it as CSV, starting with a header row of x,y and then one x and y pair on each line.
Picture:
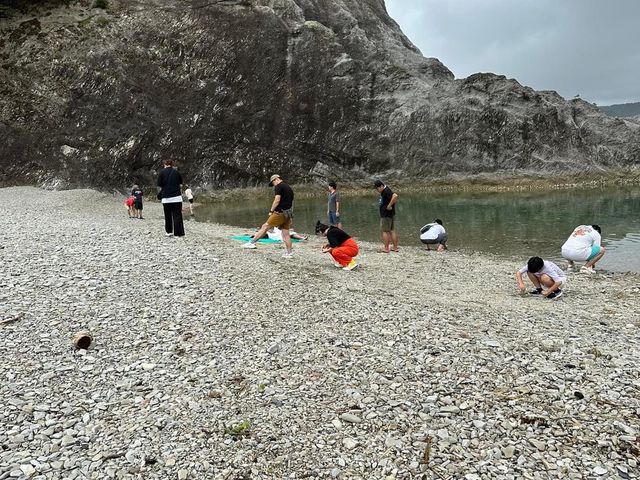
x,y
210,361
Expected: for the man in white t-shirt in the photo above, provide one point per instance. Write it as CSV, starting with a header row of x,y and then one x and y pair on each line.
x,y
434,234
583,245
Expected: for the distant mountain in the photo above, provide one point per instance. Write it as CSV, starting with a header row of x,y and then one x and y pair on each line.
x,y
622,109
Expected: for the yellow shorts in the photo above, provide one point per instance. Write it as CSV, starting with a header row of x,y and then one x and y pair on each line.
x,y
277,219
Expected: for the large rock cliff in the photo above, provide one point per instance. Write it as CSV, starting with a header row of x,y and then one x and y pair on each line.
x,y
237,89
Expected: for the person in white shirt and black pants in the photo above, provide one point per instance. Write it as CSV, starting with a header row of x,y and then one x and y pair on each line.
x,y
434,234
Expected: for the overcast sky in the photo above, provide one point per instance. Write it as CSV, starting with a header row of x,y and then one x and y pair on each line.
x,y
585,47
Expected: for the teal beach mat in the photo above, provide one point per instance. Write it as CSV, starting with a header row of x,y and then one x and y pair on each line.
x,y
247,238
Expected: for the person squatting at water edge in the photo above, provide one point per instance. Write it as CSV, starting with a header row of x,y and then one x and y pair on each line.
x,y
434,234
340,245
387,203
583,245
280,215
169,183
542,272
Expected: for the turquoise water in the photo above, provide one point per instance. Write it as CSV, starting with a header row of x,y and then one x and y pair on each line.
x,y
522,224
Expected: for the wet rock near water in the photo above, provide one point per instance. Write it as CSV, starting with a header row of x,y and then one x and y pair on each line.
x,y
210,361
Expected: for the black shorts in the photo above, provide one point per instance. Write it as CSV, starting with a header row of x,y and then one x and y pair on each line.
x,y
137,204
191,200
441,240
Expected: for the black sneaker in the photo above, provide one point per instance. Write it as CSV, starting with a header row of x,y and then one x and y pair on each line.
x,y
556,294
537,291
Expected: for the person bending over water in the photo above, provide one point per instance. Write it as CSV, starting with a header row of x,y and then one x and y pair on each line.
x,y
583,245
434,234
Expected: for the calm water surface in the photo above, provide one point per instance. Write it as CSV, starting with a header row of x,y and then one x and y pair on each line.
x,y
523,224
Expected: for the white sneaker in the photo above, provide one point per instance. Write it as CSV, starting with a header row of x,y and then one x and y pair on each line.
x,y
168,234
588,270
249,245
287,255
337,265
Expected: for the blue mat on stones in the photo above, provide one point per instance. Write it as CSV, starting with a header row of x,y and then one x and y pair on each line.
x,y
247,238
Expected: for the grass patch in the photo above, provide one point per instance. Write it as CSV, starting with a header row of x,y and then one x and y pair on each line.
x,y
102,21
239,429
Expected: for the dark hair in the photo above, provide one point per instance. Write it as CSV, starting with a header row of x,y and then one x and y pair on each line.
x,y
321,227
168,161
597,228
535,264
378,184
438,221
333,184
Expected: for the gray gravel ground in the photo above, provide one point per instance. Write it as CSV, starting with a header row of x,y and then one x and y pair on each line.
x,y
211,361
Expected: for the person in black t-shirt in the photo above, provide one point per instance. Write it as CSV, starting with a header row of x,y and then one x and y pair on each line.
x,y
280,215
136,192
340,245
169,183
388,201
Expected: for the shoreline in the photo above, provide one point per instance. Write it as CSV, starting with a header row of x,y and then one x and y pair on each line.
x,y
450,184
210,361
481,183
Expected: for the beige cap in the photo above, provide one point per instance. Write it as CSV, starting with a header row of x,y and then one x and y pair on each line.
x,y
273,177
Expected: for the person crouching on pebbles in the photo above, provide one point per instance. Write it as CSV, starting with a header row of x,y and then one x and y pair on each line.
x,y
542,273
583,245
434,234
340,245
280,215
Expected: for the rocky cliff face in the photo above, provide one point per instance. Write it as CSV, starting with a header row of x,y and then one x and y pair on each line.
x,y
237,89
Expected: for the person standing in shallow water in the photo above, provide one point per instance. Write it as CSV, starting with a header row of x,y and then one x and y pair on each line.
x,y
333,206
169,183
387,202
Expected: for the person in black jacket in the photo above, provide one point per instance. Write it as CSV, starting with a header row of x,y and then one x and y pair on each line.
x,y
340,245
169,183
